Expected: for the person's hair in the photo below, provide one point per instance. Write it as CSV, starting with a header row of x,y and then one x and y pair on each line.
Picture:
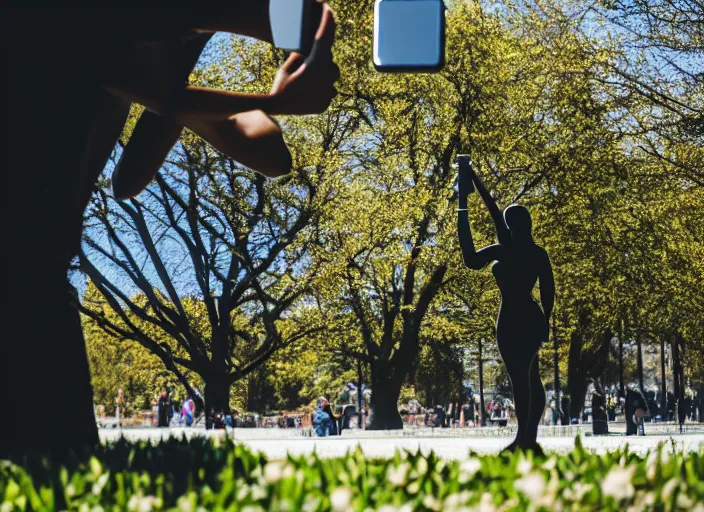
x,y
518,218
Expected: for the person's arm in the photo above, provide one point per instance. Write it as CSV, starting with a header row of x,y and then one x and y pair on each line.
x,y
247,18
470,256
301,86
503,235
547,285
155,24
192,102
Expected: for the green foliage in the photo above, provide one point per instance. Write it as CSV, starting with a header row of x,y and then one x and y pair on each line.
x,y
178,475
439,374
118,363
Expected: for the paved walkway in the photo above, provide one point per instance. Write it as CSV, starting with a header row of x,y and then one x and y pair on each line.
x,y
385,446
457,448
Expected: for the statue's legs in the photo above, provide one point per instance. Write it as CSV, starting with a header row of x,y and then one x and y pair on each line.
x,y
537,401
528,394
518,373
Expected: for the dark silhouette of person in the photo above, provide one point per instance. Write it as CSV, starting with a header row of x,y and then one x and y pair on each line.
x,y
76,73
681,412
636,408
521,325
334,420
164,408
670,406
600,425
564,416
468,411
440,416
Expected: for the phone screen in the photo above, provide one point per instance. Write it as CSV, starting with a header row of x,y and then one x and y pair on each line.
x,y
293,23
409,35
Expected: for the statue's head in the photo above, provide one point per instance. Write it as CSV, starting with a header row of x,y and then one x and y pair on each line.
x,y
518,221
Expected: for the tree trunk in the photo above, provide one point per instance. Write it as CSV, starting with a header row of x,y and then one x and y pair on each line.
x,y
584,363
621,384
578,391
575,375
360,383
385,392
556,366
639,345
679,379
217,398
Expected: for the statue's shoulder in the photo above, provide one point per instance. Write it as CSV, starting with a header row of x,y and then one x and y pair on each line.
x,y
542,252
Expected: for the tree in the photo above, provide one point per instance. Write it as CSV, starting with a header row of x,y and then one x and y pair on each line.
x,y
305,371
116,363
226,232
585,361
439,374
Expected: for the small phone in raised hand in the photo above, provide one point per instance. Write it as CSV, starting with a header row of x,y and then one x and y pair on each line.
x,y
294,23
463,161
464,176
409,35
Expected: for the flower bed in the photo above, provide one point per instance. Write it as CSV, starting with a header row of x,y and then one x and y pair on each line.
x,y
194,474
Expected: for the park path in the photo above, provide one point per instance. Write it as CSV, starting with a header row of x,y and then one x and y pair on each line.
x,y
445,447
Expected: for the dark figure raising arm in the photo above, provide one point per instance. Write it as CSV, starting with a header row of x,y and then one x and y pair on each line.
x,y
521,325
472,258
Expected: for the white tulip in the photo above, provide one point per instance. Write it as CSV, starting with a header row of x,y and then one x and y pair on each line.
x,y
340,499
617,483
532,485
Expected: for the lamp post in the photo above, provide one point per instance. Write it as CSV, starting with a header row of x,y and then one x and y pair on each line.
x,y
639,346
622,388
481,384
557,369
360,383
663,379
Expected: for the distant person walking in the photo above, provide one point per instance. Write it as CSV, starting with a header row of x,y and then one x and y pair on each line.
x,y
163,411
440,416
334,427
636,408
467,413
321,419
600,424
120,404
187,412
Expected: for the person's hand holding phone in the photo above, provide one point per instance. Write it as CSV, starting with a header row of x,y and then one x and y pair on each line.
x,y
307,85
236,124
